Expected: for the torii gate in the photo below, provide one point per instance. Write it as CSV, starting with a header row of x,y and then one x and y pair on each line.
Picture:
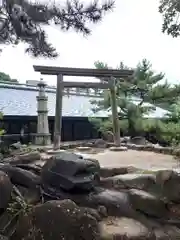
x,y
108,76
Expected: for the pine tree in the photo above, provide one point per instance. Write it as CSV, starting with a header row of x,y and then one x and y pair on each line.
x,y
164,95
140,87
145,87
23,21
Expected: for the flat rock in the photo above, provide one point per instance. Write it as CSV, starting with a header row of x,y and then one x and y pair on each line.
x,y
130,180
54,152
118,149
124,229
83,148
113,171
26,158
147,203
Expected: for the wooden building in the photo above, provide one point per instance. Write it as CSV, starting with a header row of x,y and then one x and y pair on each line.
x,y
19,106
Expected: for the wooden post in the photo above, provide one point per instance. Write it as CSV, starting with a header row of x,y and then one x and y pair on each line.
x,y
115,117
58,113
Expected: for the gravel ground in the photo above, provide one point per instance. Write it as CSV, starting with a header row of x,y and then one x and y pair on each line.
x,y
138,159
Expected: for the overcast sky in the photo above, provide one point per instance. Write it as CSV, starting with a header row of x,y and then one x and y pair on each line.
x,y
130,33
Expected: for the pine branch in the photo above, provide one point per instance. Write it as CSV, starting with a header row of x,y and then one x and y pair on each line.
x,y
22,20
170,10
76,15
39,47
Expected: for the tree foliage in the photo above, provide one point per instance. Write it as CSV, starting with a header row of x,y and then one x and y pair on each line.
x,y
174,112
6,78
170,10
23,21
131,95
137,99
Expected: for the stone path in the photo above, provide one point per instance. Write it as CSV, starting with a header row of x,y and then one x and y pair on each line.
x,y
138,159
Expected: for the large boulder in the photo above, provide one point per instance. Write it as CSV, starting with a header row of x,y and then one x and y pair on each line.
x,y
114,203
57,220
70,172
117,203
5,190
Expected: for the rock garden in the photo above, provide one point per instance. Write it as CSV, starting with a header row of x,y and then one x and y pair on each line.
x,y
68,194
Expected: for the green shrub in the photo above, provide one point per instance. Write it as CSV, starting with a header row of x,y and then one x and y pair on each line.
x,y
171,133
102,125
107,125
152,126
168,132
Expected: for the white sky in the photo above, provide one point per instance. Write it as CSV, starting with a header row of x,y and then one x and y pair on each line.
x,y
130,33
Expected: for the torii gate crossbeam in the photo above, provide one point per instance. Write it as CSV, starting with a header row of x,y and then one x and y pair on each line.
x,y
108,76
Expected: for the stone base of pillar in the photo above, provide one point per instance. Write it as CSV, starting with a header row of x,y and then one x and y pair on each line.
x,y
43,139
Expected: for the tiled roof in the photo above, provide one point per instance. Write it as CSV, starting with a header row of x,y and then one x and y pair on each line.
x,y
21,101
